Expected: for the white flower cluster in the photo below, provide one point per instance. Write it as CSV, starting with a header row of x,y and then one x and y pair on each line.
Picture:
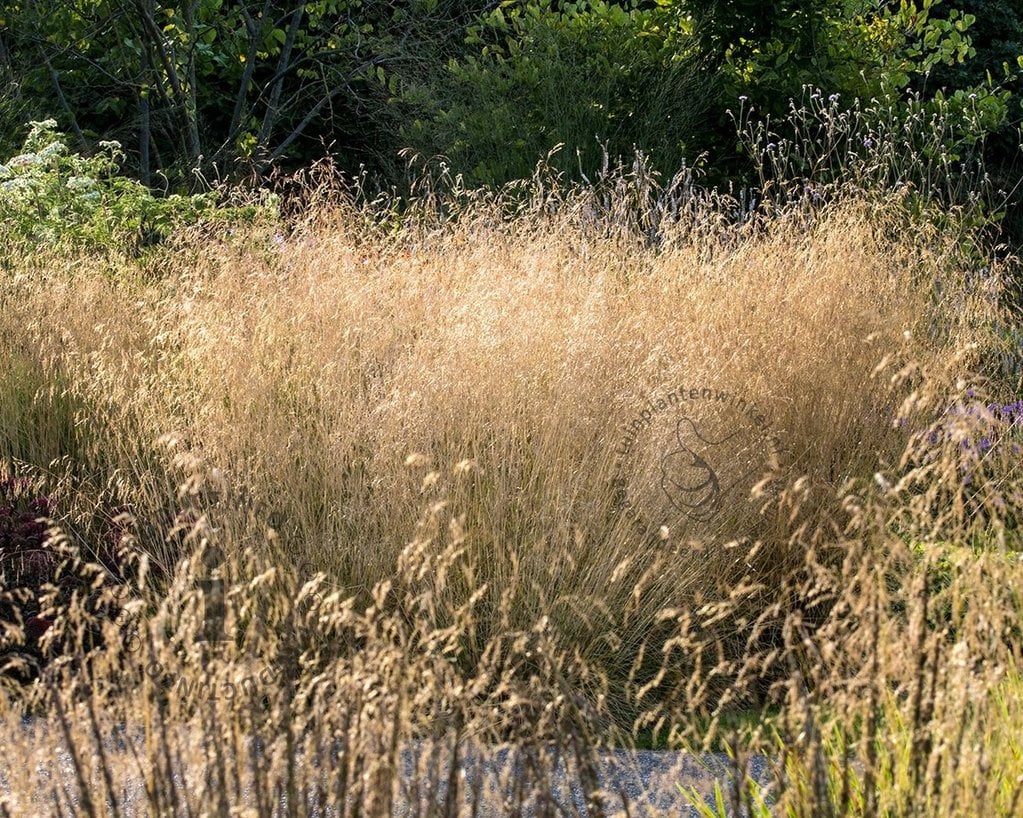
x,y
80,183
24,160
17,185
52,151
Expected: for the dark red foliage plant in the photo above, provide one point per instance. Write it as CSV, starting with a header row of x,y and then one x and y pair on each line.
x,y
41,572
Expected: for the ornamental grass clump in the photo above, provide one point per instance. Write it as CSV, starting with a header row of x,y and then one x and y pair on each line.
x,y
397,488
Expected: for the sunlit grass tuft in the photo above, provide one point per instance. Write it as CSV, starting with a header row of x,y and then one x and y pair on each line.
x,y
383,465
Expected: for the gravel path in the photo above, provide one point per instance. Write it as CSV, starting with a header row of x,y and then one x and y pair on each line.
x,y
633,783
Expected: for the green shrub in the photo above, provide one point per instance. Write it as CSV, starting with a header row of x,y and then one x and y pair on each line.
x,y
535,75
51,197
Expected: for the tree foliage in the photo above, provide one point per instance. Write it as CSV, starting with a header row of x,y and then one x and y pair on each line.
x,y
203,84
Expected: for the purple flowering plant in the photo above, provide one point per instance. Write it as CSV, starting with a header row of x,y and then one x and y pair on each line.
x,y
988,425
970,457
960,488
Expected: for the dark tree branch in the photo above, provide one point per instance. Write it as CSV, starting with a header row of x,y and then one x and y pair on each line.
x,y
144,126
59,90
270,117
55,80
192,98
314,111
240,107
189,123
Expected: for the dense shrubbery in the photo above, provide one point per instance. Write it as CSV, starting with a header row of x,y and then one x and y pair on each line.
x,y
584,75
931,152
51,196
237,89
